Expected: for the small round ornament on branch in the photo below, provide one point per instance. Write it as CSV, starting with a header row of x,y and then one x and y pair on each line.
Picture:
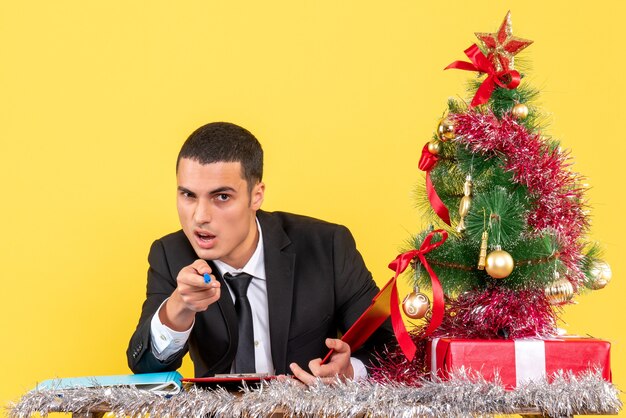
x,y
560,291
435,147
446,130
600,275
499,263
520,111
416,304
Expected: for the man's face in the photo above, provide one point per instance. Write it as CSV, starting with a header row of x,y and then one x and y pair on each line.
x,y
216,210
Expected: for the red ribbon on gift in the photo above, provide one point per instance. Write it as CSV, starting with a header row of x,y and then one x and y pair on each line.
x,y
399,265
427,162
506,78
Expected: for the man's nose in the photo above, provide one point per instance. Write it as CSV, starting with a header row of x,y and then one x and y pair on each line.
x,y
202,214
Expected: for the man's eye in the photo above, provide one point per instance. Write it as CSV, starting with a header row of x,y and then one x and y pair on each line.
x,y
223,197
187,195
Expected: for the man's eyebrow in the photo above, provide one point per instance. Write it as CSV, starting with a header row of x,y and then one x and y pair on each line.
x,y
185,190
222,190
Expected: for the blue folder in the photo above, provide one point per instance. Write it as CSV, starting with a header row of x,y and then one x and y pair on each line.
x,y
165,383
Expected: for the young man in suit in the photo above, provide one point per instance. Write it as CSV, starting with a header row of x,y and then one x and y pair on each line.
x,y
245,290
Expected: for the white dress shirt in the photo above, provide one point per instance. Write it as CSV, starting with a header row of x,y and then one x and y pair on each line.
x,y
166,341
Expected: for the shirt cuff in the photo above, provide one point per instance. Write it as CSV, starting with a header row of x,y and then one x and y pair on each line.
x,y
164,340
360,372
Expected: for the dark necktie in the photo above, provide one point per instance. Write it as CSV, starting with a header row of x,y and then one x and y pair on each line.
x,y
244,360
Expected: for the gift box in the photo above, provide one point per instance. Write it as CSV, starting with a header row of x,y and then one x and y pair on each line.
x,y
518,361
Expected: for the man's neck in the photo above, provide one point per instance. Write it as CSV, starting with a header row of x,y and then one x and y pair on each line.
x,y
239,261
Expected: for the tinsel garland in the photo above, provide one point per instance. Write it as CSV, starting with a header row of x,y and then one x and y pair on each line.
x,y
497,313
544,169
463,395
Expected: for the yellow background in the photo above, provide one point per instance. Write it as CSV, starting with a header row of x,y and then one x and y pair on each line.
x,y
96,98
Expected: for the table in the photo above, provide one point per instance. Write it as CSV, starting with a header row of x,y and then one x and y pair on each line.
x,y
564,398
524,412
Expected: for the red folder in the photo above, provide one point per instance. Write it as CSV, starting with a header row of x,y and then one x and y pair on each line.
x,y
369,321
230,381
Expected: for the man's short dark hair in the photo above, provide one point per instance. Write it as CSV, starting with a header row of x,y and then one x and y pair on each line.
x,y
225,142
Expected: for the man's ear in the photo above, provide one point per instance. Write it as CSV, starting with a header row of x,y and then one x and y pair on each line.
x,y
257,195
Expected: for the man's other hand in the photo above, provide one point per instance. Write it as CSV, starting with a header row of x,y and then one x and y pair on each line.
x,y
192,295
339,365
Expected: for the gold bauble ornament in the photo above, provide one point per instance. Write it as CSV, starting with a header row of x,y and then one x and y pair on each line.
x,y
520,111
446,130
560,291
499,264
416,304
434,147
600,274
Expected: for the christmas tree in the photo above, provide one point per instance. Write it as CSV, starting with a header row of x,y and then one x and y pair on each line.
x,y
507,246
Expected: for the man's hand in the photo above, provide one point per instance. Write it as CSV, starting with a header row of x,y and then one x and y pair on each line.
x,y
338,366
192,295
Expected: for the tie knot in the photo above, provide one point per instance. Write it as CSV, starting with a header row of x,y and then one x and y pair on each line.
x,y
239,283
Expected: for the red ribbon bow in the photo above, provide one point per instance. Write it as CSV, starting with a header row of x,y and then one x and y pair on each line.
x,y
506,78
399,265
427,162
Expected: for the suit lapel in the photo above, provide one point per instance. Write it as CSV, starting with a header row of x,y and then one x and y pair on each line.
x,y
279,271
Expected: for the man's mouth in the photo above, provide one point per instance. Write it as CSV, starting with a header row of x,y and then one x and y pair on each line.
x,y
205,238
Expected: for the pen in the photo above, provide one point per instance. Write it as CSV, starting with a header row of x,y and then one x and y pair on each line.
x,y
207,278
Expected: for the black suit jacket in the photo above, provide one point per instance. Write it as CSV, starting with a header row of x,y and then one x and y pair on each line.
x,y
317,286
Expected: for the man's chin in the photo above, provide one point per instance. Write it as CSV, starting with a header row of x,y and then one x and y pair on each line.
x,y
206,253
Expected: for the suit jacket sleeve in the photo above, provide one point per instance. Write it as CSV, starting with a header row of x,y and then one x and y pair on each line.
x,y
355,289
160,286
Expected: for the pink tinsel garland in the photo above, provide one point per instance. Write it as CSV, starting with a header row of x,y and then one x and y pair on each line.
x,y
498,312
554,190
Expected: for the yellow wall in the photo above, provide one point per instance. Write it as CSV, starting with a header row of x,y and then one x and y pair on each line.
x,y
96,98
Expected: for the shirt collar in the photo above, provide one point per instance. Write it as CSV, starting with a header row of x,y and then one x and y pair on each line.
x,y
254,267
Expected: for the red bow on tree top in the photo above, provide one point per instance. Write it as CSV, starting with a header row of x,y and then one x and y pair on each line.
x,y
498,64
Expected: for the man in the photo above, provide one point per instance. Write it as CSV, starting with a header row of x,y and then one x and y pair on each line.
x,y
245,290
